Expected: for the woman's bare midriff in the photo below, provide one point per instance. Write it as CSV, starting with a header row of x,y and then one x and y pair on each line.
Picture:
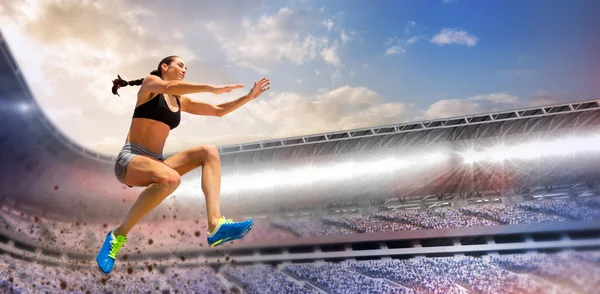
x,y
149,134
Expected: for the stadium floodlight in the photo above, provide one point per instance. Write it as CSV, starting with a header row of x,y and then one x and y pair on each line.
x,y
434,158
330,172
313,173
471,156
534,150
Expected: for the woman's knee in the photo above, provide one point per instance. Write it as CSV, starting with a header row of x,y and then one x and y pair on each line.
x,y
168,177
206,153
212,153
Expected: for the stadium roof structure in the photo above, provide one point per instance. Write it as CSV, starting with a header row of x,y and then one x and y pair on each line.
x,y
44,169
574,115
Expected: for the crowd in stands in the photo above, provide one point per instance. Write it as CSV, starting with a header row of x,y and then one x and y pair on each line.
x,y
491,214
199,279
436,218
338,278
411,274
367,223
510,214
188,234
482,276
262,278
593,202
572,209
307,226
564,268
562,272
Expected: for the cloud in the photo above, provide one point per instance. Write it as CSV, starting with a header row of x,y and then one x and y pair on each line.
x,y
328,24
409,26
273,39
285,114
497,98
394,50
543,98
472,105
452,108
288,114
180,12
331,55
278,115
453,36
448,1
413,40
70,51
345,37
479,104
396,45
55,113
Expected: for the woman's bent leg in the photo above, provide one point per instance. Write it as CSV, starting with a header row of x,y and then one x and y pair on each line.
x,y
161,181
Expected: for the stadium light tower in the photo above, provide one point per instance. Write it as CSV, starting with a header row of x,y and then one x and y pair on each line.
x,y
534,150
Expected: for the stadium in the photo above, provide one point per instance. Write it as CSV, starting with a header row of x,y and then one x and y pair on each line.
x,y
504,202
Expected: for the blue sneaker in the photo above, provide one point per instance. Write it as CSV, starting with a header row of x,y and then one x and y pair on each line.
x,y
108,253
227,230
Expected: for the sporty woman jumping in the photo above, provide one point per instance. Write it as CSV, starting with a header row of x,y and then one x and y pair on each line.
x,y
140,162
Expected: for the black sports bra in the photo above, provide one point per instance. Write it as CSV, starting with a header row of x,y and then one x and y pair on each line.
x,y
157,109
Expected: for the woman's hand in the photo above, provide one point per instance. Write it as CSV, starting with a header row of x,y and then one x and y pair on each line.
x,y
259,88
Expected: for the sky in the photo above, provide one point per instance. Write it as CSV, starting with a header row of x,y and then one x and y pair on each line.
x,y
333,65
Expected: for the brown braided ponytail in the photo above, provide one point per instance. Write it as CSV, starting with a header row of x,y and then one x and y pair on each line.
x,y
119,82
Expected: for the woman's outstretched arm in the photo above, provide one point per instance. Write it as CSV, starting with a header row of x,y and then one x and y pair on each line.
x,y
202,108
157,85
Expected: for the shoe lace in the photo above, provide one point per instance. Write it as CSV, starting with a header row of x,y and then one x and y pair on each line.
x,y
223,220
116,245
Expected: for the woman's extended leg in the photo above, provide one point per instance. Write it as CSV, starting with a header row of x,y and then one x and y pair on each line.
x,y
208,158
220,230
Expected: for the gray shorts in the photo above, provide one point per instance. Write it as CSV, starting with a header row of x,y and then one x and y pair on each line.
x,y
128,152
